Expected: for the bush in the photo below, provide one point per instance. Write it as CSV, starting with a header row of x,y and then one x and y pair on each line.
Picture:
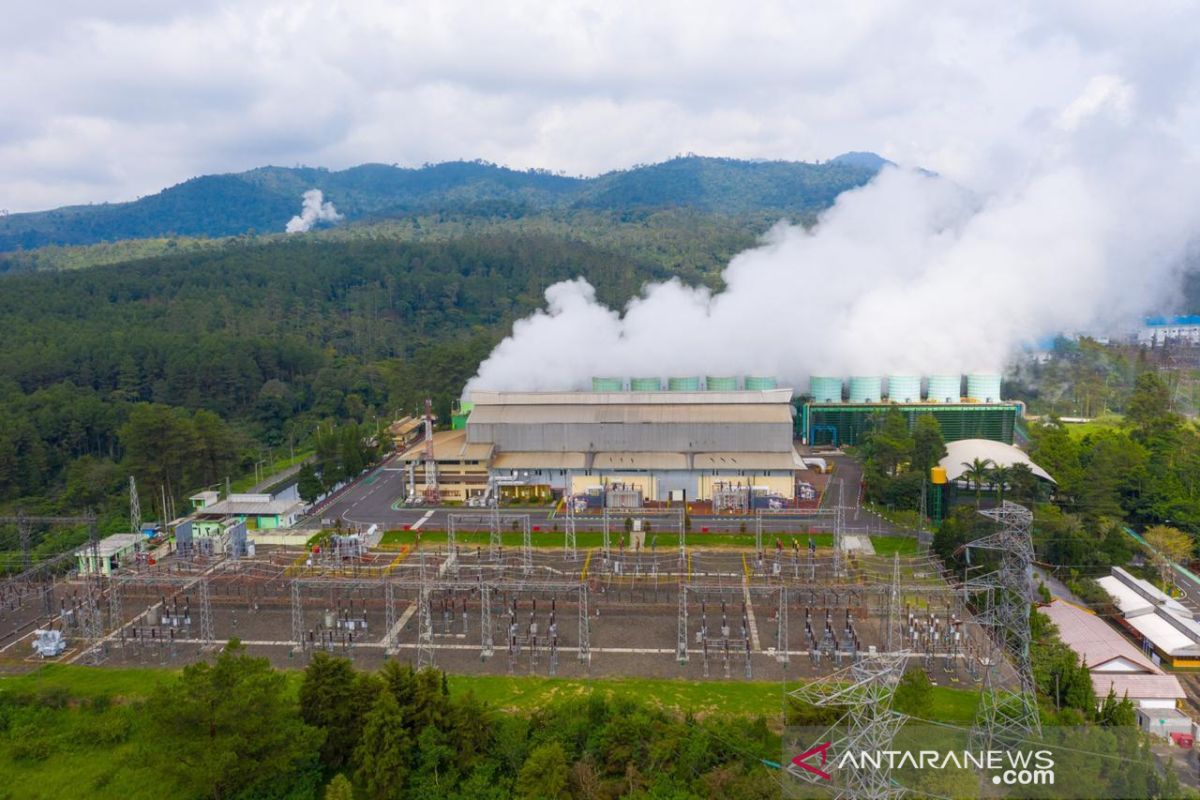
x,y
32,748
107,730
56,697
914,694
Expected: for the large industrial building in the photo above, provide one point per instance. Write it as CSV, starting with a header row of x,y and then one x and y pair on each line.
x,y
831,416
624,447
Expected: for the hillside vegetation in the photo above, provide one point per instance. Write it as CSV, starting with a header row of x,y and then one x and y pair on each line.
x,y
263,200
184,368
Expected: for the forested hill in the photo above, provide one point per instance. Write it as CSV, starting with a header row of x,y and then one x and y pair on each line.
x,y
263,200
181,369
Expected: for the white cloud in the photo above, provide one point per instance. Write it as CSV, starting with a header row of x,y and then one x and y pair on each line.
x,y
112,101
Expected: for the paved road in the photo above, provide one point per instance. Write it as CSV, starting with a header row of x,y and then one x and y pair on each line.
x,y
278,477
858,519
375,500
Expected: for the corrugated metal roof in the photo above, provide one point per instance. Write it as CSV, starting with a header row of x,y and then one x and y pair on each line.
x,y
1138,687
964,451
640,461
111,545
765,396
748,461
1167,632
661,414
450,446
540,460
251,508
1093,638
405,426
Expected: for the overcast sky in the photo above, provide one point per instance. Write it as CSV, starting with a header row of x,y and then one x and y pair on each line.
x,y
113,100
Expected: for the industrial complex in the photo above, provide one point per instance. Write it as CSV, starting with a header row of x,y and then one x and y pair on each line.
x,y
725,443
551,533
838,412
621,448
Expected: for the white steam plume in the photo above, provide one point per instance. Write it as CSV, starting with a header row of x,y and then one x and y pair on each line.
x,y
313,211
1087,229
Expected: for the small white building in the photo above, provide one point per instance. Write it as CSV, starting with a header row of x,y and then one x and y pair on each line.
x,y
112,552
1113,661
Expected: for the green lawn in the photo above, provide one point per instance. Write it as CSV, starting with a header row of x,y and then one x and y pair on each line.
x,y
527,693
951,704
1080,429
80,731
884,545
522,694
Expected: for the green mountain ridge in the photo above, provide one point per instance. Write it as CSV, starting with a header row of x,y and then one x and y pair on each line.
x,y
262,200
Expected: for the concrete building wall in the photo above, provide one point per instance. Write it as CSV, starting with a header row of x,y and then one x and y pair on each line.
x,y
638,438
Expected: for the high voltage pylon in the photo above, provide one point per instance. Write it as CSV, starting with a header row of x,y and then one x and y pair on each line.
x,y
207,636
1007,715
424,629
135,508
866,690
298,616
487,645
93,624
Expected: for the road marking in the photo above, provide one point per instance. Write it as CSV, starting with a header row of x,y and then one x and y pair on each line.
x,y
421,521
389,639
750,616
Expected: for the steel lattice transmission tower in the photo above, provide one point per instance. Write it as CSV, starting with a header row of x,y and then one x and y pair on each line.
x,y
1007,715
866,689
93,624
425,658
135,508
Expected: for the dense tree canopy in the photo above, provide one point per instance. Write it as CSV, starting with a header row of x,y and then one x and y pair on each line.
x,y
184,368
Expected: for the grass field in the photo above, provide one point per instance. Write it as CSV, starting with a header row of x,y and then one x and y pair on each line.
x,y
1080,429
80,732
522,694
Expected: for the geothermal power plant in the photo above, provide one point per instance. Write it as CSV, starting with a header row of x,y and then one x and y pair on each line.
x,y
729,441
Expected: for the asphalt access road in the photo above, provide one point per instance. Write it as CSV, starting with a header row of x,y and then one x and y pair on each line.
x,y
374,500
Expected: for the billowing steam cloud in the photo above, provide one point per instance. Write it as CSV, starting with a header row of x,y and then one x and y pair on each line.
x,y
314,210
1087,228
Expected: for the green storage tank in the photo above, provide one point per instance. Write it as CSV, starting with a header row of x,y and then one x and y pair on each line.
x,y
866,388
645,384
904,388
983,387
825,389
608,384
758,383
945,388
721,383
687,384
